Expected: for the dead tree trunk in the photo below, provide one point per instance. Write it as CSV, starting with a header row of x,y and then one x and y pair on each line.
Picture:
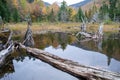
x,y
4,53
28,39
7,49
73,68
9,40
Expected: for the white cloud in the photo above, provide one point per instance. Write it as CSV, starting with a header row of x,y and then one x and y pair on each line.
x,y
69,2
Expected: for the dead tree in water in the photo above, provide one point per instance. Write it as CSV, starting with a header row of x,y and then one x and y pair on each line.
x,y
28,39
7,48
73,68
9,40
5,52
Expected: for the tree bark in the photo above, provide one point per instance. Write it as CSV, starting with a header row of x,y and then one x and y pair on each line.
x,y
4,53
7,48
73,68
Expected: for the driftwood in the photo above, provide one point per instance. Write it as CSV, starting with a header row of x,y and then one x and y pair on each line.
x,y
4,53
73,68
97,35
7,49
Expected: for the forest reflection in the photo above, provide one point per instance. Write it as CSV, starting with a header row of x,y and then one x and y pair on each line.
x,y
109,47
56,40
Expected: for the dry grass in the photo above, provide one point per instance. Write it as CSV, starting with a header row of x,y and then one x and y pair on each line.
x,y
70,26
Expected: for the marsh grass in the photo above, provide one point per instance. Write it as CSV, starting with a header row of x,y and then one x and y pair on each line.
x,y
58,26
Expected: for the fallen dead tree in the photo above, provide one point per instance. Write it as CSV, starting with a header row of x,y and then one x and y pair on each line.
x,y
5,52
73,68
7,48
84,34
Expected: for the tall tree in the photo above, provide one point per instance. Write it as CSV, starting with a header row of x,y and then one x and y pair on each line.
x,y
4,10
54,8
80,15
118,10
112,9
63,13
52,16
103,12
71,14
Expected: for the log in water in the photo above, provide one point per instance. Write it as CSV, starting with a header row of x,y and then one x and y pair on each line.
x,y
73,68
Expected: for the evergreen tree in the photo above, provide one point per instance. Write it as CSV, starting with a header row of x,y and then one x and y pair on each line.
x,y
103,12
4,10
63,13
15,15
52,16
112,9
118,10
80,15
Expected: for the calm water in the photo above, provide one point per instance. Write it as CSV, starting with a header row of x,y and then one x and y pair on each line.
x,y
104,54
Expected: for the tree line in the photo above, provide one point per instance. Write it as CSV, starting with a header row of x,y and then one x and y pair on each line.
x,y
18,10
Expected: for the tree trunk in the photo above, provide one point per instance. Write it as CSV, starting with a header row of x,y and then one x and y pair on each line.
x,y
4,53
7,48
73,68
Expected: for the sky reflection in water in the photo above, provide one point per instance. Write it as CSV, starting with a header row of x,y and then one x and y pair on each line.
x,y
103,54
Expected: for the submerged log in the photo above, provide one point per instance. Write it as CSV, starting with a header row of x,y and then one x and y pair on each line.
x,y
73,68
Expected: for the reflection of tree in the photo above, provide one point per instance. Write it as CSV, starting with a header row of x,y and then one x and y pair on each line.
x,y
111,48
100,44
62,39
41,41
7,68
53,39
63,46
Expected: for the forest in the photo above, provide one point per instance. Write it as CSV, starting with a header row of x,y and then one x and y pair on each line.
x,y
42,41
19,10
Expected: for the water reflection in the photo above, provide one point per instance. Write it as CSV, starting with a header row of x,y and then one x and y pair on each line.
x,y
109,47
57,40
21,66
59,43
101,53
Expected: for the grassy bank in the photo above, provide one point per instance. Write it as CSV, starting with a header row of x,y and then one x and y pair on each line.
x,y
69,27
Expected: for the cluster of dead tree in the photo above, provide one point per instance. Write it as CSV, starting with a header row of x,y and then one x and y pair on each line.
x,y
73,68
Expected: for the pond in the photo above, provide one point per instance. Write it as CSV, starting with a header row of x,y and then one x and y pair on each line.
x,y
104,54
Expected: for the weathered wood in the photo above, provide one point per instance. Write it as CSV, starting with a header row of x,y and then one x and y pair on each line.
x,y
4,53
9,40
97,35
73,68
28,39
87,35
7,49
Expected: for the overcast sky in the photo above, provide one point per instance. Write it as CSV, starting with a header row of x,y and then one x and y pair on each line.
x,y
69,2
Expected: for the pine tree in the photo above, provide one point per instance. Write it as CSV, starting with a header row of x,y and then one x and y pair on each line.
x,y
52,16
15,15
63,13
112,9
4,10
103,11
80,15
